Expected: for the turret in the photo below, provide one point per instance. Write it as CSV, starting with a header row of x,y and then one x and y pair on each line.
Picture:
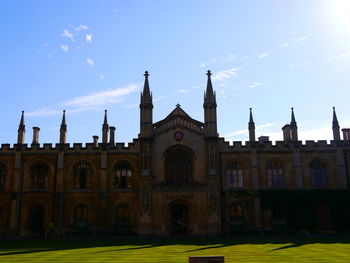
x,y
209,105
63,129
21,130
146,110
335,127
105,129
251,126
293,127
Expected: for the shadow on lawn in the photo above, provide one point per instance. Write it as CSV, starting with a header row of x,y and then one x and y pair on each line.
x,y
17,247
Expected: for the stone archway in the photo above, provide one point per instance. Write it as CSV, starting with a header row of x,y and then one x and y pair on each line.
x,y
179,218
37,219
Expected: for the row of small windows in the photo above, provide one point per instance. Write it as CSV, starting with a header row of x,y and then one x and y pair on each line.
x,y
275,174
122,176
177,170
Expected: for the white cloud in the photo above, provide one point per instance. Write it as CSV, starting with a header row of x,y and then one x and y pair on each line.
x,y
225,74
68,35
299,64
337,57
88,38
89,102
300,38
255,84
102,97
102,76
283,45
90,62
264,55
64,48
43,112
182,90
81,27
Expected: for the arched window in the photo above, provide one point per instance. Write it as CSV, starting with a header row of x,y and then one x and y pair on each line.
x,y
122,216
318,172
236,211
3,172
122,176
82,174
275,174
234,176
81,216
178,165
40,174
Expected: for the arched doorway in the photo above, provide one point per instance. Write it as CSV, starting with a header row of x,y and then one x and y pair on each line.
x,y
36,219
178,218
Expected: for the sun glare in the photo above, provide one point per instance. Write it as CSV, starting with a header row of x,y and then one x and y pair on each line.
x,y
340,11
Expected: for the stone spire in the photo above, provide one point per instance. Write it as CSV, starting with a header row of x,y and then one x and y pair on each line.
x,y
146,110
209,96
105,129
21,130
335,127
63,129
293,127
146,95
251,126
209,105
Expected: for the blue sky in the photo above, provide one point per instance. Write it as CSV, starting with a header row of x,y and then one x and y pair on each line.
x,y
87,56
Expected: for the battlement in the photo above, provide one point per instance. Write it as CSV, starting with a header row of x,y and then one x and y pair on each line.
x,y
281,145
49,147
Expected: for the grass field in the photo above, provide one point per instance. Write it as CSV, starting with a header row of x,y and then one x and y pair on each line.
x,y
235,249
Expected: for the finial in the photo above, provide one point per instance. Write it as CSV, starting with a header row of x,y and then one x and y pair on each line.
x,y
105,119
250,109
333,108
209,73
146,74
178,105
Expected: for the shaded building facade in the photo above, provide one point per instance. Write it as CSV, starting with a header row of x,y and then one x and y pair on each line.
x,y
177,177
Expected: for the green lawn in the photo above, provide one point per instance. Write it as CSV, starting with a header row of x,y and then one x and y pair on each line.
x,y
235,249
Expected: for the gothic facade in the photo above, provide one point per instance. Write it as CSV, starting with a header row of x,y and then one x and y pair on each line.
x,y
177,177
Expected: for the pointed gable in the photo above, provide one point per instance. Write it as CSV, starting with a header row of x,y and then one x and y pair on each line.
x,y
178,118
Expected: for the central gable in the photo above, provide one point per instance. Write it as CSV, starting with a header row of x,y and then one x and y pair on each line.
x,y
178,118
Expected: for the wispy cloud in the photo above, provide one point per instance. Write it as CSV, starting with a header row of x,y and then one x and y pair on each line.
x,y
255,84
182,90
64,48
81,27
338,57
103,97
264,127
225,74
90,62
264,55
304,63
298,39
68,35
88,38
101,76
283,45
89,102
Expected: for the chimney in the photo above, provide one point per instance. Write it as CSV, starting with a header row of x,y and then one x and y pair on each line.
x,y
95,141
287,132
111,135
36,135
346,134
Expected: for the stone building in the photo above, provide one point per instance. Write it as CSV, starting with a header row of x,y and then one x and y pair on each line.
x,y
177,177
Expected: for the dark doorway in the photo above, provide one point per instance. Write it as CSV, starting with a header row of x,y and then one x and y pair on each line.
x,y
323,218
179,218
36,217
